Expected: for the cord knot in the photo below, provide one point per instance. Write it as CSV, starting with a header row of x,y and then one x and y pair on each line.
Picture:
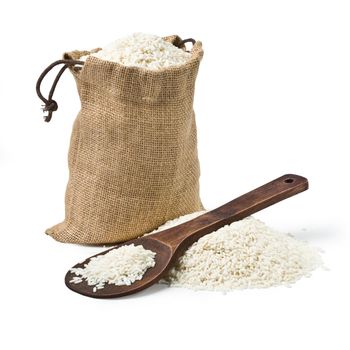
x,y
50,106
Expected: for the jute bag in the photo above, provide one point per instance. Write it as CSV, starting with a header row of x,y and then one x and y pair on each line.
x,y
132,159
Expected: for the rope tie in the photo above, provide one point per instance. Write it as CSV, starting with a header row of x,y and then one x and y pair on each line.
x,y
50,105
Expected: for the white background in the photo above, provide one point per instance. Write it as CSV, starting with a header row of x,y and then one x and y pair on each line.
x,y
272,97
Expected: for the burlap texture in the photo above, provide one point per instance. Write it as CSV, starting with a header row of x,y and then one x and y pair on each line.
x,y
132,160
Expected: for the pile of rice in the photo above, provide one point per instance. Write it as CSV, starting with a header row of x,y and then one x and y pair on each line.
x,y
143,50
245,254
120,266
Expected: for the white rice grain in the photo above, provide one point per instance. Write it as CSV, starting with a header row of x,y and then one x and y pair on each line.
x,y
143,50
120,266
245,254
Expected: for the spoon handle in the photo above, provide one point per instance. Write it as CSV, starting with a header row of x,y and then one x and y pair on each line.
x,y
262,197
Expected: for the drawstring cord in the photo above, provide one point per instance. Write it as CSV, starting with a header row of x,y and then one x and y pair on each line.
x,y
50,105
189,40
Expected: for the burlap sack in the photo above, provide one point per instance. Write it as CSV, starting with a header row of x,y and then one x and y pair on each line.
x,y
133,154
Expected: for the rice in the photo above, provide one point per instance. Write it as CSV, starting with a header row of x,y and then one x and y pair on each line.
x,y
143,50
245,254
120,266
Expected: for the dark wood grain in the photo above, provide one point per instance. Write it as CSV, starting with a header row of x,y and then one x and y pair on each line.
x,y
171,243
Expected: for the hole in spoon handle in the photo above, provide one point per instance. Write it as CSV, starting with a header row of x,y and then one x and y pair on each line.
x,y
262,197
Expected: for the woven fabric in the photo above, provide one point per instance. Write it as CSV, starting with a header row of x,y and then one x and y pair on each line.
x,y
132,160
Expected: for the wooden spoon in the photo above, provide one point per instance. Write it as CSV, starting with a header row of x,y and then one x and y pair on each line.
x,y
170,244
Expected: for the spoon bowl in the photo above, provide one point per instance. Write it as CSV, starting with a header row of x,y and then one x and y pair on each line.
x,y
152,275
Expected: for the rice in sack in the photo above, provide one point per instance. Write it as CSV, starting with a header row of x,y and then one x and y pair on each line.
x,y
132,159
